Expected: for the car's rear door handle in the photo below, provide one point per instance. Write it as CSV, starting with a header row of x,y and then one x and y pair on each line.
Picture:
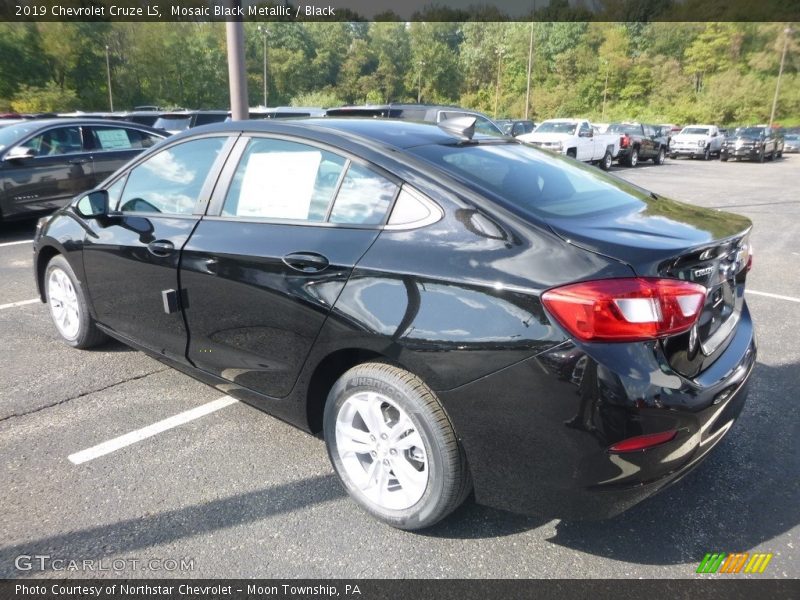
x,y
161,247
78,161
306,262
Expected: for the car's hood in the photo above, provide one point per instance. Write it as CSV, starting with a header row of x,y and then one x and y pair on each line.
x,y
651,232
544,137
691,137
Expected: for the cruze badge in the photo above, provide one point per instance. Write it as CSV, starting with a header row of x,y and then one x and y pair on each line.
x,y
703,272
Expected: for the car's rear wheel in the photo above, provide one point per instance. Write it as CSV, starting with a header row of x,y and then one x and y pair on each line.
x,y
660,157
394,447
68,307
673,156
606,161
633,157
572,153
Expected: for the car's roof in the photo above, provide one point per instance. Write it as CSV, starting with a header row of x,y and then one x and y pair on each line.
x,y
45,123
393,132
564,121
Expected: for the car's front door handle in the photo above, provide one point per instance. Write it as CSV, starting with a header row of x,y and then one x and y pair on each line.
x,y
78,161
161,247
306,262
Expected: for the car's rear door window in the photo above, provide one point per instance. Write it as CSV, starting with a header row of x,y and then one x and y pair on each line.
x,y
279,179
120,138
364,197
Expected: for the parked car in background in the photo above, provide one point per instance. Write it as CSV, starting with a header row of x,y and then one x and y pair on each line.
x,y
639,142
451,311
430,113
791,143
515,127
44,163
757,143
701,141
575,138
286,112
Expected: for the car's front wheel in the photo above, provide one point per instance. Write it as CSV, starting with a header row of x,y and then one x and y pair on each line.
x,y
68,306
394,447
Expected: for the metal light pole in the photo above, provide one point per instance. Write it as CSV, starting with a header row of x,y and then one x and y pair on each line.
x,y
108,75
605,92
420,64
262,29
786,32
237,81
530,66
500,52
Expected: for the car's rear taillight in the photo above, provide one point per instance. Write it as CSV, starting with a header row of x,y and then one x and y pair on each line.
x,y
626,310
643,442
624,141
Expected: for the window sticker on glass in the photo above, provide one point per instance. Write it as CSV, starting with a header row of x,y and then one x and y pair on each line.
x,y
113,139
279,184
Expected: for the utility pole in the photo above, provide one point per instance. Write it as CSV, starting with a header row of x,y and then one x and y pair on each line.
x,y
605,92
500,51
530,66
786,32
108,75
420,64
234,33
262,29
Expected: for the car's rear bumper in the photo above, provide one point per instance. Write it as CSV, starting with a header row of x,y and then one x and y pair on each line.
x,y
537,433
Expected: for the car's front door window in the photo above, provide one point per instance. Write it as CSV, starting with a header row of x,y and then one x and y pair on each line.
x,y
56,141
171,180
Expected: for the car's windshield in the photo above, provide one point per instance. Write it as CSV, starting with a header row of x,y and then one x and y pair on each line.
x,y
793,137
695,130
750,132
531,180
557,127
11,134
624,128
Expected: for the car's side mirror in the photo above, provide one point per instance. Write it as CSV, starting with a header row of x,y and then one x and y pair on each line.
x,y
93,205
19,153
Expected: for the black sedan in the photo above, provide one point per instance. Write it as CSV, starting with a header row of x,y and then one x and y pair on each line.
x,y
44,163
453,312
752,143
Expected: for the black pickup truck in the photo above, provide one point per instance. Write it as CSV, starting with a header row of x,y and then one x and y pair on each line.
x,y
639,142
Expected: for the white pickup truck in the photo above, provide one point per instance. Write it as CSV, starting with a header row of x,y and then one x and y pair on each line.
x,y
577,138
697,140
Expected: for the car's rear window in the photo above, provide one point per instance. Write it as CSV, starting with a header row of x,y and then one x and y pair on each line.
x,y
624,128
532,180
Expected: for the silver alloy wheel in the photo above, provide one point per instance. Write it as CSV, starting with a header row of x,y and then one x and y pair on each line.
x,y
381,451
63,301
607,160
634,157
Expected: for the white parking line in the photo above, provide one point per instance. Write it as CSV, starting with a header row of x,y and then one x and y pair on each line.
x,y
20,303
16,243
149,431
777,296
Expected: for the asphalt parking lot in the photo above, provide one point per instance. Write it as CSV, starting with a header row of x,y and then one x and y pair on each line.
x,y
236,493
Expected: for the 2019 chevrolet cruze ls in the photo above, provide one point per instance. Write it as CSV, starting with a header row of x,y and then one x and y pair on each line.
x,y
453,312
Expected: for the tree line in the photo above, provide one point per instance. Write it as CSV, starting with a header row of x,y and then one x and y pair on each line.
x,y
661,72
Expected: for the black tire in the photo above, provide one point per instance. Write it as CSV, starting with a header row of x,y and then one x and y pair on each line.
x,y
633,158
448,481
723,158
707,153
572,153
673,156
761,156
660,157
86,334
780,154
606,161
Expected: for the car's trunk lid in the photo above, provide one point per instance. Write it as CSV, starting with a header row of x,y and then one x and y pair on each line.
x,y
664,238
